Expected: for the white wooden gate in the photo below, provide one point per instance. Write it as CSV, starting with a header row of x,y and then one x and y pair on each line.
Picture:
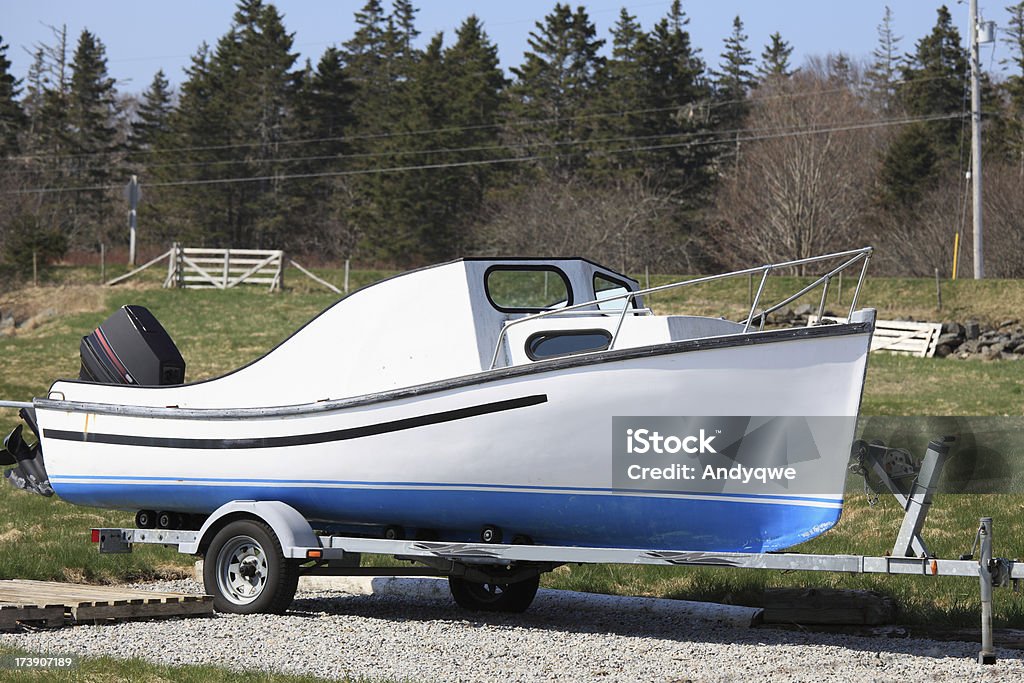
x,y
900,336
195,268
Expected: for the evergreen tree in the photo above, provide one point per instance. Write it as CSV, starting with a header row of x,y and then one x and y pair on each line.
x,y
150,126
153,115
841,70
383,65
881,74
198,125
1014,86
734,79
775,59
366,68
12,118
234,114
557,82
92,115
678,95
932,84
624,105
323,115
473,94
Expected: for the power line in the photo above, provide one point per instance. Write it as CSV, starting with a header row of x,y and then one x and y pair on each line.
x,y
814,130
708,105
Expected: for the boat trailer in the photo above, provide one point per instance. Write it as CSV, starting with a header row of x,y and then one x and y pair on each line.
x,y
507,566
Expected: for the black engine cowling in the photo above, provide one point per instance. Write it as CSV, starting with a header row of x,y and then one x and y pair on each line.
x,y
131,347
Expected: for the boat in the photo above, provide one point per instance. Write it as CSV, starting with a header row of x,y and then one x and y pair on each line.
x,y
530,400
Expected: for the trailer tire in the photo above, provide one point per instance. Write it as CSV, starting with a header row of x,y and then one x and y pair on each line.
x,y
493,597
246,571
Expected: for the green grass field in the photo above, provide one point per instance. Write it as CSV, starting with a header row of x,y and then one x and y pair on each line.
x,y
136,671
219,330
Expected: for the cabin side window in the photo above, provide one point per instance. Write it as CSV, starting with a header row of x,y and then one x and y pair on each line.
x,y
527,289
606,288
554,344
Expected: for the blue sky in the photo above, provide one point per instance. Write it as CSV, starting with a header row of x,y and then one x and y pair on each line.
x,y
143,35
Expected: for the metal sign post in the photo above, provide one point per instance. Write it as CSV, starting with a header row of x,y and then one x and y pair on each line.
x,y
133,203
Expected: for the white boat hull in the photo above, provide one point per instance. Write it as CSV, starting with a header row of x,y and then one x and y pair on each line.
x,y
528,450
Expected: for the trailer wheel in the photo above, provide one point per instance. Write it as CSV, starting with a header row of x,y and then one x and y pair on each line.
x,y
493,597
246,571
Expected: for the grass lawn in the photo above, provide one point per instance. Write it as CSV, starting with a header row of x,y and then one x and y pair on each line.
x,y
219,330
136,670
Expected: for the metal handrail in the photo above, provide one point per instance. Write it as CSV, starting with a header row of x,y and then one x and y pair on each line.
x,y
853,256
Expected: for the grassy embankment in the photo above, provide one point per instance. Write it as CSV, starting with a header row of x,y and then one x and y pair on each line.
x,y
217,331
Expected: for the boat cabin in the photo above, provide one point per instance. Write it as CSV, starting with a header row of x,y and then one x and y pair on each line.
x,y
458,318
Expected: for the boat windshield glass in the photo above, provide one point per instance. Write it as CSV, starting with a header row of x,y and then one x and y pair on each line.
x,y
527,288
605,288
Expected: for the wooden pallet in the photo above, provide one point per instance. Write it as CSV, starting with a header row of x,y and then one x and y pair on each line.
x,y
900,336
50,603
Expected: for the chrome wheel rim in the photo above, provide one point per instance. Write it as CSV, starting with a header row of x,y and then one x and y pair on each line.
x,y
242,570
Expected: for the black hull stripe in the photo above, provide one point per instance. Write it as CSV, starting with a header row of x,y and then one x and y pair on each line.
x,y
300,439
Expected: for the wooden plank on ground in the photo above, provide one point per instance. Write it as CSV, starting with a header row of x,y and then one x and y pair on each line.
x,y
22,600
48,615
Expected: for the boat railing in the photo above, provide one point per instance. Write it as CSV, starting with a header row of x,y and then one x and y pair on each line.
x,y
849,259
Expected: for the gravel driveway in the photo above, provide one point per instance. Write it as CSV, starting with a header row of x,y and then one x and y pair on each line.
x,y
395,637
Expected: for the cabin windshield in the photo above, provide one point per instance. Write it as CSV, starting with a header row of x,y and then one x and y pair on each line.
x,y
527,289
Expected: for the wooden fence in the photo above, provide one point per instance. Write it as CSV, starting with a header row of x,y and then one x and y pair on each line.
x,y
200,268
197,268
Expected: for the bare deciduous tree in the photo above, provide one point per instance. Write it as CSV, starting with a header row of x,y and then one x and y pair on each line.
x,y
801,182
626,227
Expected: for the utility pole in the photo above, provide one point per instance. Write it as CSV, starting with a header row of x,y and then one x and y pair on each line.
x,y
976,29
133,205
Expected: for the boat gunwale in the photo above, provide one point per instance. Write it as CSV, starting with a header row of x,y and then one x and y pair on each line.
x,y
478,378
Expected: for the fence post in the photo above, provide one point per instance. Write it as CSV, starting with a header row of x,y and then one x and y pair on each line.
x,y
938,290
35,269
227,264
103,263
346,276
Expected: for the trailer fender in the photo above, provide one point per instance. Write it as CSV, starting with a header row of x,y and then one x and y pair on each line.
x,y
292,530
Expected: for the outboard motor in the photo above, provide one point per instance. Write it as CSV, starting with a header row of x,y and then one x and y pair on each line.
x,y
28,472
131,347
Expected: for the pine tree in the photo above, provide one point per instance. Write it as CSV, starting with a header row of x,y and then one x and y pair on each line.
x,y
775,59
474,94
12,118
92,115
734,79
624,105
366,68
932,84
678,96
234,111
557,81
153,114
323,115
881,75
1014,86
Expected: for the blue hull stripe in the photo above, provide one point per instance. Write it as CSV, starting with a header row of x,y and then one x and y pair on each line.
x,y
597,520
337,483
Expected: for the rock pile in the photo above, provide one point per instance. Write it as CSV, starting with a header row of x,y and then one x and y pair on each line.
x,y
972,339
